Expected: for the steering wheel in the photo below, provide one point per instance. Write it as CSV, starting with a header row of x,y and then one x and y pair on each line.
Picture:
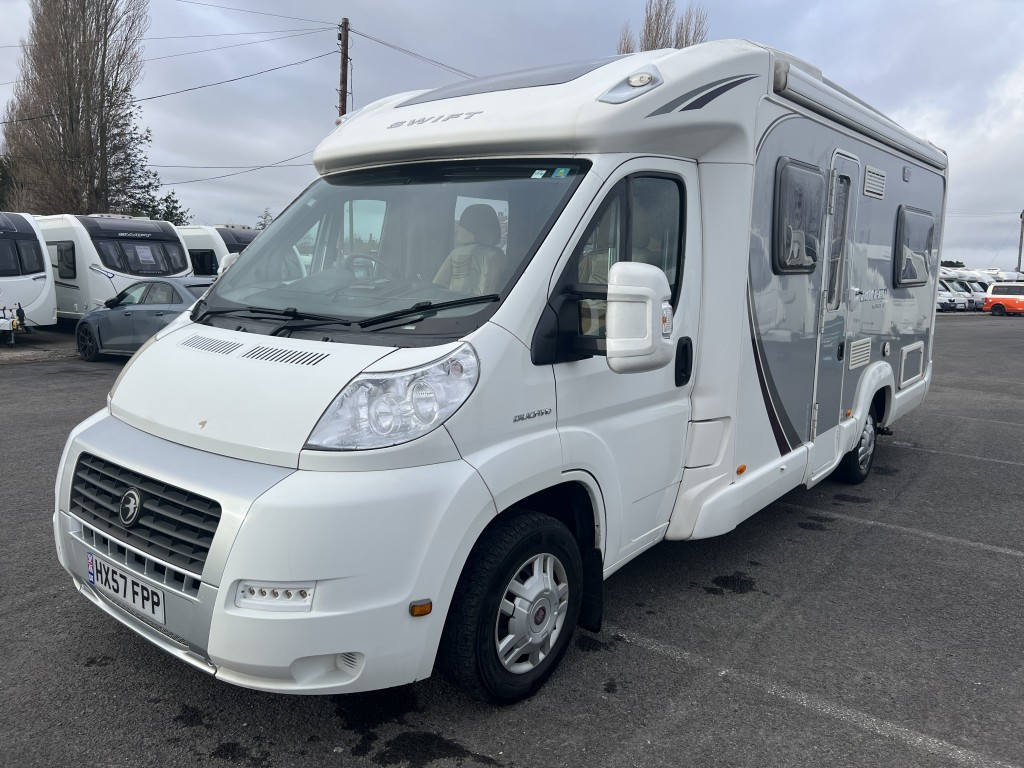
x,y
365,265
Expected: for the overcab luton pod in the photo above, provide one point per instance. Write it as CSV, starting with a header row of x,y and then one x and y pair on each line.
x,y
543,321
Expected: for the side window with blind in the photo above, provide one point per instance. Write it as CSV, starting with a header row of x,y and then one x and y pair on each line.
x,y
915,240
799,217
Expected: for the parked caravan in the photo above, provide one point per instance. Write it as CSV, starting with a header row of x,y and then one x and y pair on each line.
x,y
26,280
95,257
210,248
550,319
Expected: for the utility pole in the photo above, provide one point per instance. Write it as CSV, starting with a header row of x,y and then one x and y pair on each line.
x,y
1020,245
343,89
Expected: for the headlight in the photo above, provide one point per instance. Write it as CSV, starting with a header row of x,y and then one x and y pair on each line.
x,y
377,410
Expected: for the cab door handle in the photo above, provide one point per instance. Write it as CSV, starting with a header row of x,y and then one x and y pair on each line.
x,y
684,361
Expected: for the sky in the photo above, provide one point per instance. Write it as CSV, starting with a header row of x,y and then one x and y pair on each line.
x,y
950,71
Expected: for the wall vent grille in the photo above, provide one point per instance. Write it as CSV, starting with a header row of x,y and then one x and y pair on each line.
x,y
874,183
860,353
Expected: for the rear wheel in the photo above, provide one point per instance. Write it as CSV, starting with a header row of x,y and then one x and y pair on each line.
x,y
87,345
856,465
998,309
514,609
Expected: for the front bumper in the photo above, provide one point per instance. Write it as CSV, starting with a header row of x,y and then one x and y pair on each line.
x,y
372,542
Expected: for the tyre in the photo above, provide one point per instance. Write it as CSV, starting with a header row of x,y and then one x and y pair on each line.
x,y
855,466
514,609
998,309
88,347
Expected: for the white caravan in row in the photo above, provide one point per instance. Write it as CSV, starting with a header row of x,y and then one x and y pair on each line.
x,y
212,248
551,319
26,280
95,257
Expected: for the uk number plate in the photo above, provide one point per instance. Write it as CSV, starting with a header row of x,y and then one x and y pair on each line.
x,y
125,588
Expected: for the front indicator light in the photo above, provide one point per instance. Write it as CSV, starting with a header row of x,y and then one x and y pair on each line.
x,y
264,596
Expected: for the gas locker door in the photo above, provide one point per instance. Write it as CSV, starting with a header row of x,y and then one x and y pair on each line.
x,y
629,429
833,344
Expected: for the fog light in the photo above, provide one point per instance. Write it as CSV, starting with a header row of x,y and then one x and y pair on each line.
x,y
297,597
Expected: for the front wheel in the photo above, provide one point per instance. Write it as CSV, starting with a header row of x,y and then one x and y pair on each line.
x,y
856,465
88,347
514,609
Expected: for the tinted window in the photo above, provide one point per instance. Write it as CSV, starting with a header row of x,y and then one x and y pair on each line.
x,y
161,293
915,237
799,214
204,261
66,261
132,295
31,256
142,258
8,259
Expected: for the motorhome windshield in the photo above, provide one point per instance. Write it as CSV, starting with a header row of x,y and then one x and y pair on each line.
x,y
149,258
362,245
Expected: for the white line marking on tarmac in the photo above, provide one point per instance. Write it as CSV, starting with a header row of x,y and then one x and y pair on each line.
x,y
901,444
862,720
909,531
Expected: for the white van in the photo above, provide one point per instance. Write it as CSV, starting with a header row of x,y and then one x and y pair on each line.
x,y
212,248
95,257
551,319
26,280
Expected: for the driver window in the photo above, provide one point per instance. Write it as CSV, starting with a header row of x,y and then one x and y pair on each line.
x,y
640,221
133,295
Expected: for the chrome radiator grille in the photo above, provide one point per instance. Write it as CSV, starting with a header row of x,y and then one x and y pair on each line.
x,y
173,525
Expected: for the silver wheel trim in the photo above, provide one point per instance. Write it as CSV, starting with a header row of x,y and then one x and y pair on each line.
x,y
531,613
866,446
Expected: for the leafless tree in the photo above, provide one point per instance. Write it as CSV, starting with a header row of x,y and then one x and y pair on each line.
x,y
70,132
664,28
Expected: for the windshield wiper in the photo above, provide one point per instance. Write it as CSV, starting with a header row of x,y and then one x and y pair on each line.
x,y
427,308
290,312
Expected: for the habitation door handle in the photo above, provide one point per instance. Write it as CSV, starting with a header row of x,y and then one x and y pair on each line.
x,y
841,350
39,277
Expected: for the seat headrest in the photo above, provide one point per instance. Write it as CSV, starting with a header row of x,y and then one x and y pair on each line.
x,y
482,221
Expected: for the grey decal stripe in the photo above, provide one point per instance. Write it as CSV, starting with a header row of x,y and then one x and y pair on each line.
x,y
773,416
707,98
697,92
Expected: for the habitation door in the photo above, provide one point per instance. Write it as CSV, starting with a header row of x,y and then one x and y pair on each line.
x,y
833,345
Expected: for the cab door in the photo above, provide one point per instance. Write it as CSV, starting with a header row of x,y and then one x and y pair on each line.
x,y
833,345
155,311
629,430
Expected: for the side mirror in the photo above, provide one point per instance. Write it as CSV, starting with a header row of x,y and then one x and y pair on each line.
x,y
638,333
111,303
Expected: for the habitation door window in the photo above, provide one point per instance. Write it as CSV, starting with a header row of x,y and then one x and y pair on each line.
x,y
799,217
837,248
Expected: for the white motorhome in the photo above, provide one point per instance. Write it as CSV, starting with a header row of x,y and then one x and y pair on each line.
x,y
26,279
95,257
551,319
212,248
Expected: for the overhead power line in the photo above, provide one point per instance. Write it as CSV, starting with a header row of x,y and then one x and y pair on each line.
x,y
406,51
191,53
278,164
258,13
187,90
189,37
